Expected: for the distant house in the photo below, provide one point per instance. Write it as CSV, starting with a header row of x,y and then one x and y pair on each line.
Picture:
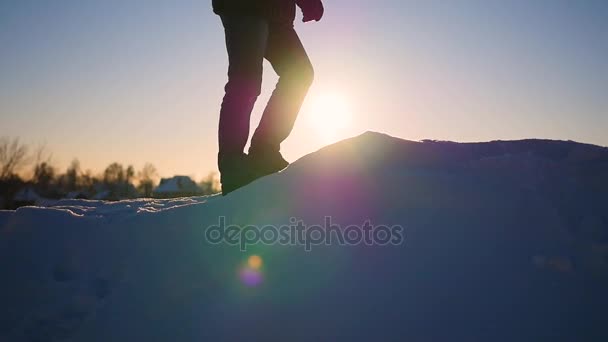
x,y
77,195
177,186
114,192
102,195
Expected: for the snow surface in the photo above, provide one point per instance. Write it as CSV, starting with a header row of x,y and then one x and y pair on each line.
x,y
504,241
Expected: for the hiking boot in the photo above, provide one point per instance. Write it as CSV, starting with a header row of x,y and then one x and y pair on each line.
x,y
235,172
264,163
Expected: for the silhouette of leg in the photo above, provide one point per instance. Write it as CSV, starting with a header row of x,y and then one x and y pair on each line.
x,y
246,43
290,61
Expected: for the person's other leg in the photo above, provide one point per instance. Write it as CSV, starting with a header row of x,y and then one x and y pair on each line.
x,y
246,44
290,61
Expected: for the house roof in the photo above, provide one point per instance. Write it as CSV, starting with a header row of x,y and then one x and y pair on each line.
x,y
177,184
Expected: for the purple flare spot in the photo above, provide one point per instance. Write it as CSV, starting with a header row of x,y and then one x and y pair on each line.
x,y
250,277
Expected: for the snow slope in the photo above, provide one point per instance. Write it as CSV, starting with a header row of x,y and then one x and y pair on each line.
x,y
504,241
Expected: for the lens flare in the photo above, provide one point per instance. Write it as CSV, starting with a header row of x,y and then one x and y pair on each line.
x,y
250,273
250,277
255,262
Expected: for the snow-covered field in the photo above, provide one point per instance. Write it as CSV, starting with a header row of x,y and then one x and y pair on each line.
x,y
503,241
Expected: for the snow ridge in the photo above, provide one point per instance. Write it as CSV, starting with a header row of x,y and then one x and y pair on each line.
x,y
504,241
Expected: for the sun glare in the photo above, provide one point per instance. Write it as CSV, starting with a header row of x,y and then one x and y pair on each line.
x,y
328,115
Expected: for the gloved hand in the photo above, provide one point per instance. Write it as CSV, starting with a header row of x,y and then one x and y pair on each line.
x,y
312,9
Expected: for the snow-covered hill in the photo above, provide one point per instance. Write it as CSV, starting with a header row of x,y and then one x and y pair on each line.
x,y
502,241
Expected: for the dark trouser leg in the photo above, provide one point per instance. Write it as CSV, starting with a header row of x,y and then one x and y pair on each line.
x,y
246,43
290,61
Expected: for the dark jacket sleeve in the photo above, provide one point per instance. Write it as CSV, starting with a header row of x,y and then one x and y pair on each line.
x,y
274,10
255,7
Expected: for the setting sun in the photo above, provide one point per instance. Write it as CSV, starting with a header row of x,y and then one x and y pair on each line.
x,y
328,115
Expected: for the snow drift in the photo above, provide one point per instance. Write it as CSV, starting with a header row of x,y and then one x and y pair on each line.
x,y
503,241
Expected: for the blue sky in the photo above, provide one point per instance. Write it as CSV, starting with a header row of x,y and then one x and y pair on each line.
x,y
141,80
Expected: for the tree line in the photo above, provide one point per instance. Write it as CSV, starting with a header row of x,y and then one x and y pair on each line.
x,y
114,183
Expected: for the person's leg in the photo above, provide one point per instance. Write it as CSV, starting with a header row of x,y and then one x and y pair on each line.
x,y
290,61
246,41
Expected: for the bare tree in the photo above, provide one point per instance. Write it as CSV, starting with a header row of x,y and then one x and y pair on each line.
x,y
72,176
210,184
147,178
129,174
44,172
13,156
88,180
114,174
42,155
